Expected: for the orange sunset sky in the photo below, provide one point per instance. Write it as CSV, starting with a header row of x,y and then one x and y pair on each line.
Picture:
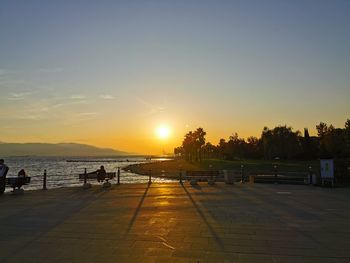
x,y
110,73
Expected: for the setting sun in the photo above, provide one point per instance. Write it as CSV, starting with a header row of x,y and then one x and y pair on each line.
x,y
163,132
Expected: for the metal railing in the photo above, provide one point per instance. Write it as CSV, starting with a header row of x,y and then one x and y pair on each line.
x,y
46,180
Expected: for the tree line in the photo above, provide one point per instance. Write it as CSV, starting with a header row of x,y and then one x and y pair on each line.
x,y
280,142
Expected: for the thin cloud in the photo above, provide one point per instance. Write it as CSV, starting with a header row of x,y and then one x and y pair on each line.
x,y
29,117
106,97
5,80
82,117
10,78
78,97
43,109
4,71
49,70
87,114
58,105
19,96
152,110
78,102
46,88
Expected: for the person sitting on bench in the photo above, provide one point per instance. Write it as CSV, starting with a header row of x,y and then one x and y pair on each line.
x,y
101,174
22,173
21,178
3,171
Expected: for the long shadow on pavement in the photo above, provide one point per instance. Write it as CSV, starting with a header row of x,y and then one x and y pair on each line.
x,y
40,217
202,215
137,211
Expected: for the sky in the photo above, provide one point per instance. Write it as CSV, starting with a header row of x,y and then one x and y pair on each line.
x,y
108,73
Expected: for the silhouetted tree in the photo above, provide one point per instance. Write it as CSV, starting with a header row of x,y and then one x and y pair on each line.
x,y
193,143
188,146
179,151
199,139
310,146
281,142
236,147
222,148
333,142
210,151
347,138
336,143
321,129
253,148
266,141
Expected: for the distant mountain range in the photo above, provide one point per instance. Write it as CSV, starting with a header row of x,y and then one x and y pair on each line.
x,y
59,149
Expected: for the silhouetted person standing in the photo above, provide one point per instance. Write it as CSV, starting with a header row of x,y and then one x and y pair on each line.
x,y
3,171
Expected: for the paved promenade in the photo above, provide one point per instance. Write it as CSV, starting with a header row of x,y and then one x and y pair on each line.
x,y
174,223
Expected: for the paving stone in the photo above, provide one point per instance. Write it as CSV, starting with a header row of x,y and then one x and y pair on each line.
x,y
174,223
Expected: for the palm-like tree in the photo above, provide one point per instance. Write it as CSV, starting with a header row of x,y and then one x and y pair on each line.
x,y
193,144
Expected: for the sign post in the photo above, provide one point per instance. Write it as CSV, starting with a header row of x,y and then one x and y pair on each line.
x,y
327,171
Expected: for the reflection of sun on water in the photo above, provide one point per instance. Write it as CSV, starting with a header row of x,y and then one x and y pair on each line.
x,y
163,132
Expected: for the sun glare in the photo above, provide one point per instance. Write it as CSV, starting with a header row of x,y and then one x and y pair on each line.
x,y
163,132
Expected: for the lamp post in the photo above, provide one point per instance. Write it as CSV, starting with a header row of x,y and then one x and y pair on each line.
x,y
310,174
44,181
118,173
242,173
180,169
149,179
85,176
275,171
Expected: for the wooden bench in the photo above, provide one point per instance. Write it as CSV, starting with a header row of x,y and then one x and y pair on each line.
x,y
281,178
17,182
195,176
93,176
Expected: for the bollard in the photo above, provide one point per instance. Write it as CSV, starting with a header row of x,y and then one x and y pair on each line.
x,y
149,179
180,169
85,176
310,174
86,185
229,178
242,173
44,182
275,170
118,178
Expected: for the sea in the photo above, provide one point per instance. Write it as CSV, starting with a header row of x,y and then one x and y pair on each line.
x,y
64,171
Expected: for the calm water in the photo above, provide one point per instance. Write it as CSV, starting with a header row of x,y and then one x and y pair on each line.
x,y
61,173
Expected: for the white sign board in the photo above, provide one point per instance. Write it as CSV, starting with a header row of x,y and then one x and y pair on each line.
x,y
327,170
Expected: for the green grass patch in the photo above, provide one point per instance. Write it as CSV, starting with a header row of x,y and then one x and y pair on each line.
x,y
259,166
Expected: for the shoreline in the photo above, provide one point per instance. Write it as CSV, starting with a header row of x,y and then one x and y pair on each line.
x,y
169,169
